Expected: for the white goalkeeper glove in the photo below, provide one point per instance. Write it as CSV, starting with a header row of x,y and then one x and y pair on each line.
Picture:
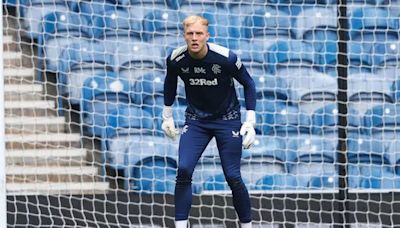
x,y
168,125
247,130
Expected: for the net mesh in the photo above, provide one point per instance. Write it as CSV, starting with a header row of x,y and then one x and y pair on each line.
x,y
84,97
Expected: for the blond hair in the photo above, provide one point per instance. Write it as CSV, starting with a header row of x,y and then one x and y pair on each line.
x,y
193,19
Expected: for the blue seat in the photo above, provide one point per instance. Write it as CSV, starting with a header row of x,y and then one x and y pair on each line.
x,y
360,58
312,91
118,27
154,175
79,61
385,58
139,58
311,155
241,9
373,24
281,119
362,149
198,6
382,123
270,87
60,29
122,123
33,12
325,121
140,8
268,24
268,148
324,181
395,90
101,96
372,176
252,55
326,49
278,182
222,29
94,9
147,91
287,59
163,28
255,166
131,137
318,18
215,183
367,90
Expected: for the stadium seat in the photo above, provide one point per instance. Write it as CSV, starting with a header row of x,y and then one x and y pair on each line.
x,y
319,18
372,176
79,61
360,58
382,123
395,90
118,27
252,55
325,121
94,9
101,96
373,24
310,148
324,181
163,28
131,137
367,90
362,149
147,91
385,59
270,87
241,9
60,29
139,58
312,91
325,46
154,175
281,119
287,59
33,11
140,8
311,155
268,24
278,182
255,167
222,29
126,121
267,148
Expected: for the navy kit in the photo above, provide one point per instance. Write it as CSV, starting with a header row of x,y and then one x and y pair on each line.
x,y
213,110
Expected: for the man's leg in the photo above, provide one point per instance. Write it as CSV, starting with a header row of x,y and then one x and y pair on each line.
x,y
229,144
192,143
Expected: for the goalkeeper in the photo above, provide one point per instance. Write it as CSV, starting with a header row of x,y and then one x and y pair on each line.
x,y
213,110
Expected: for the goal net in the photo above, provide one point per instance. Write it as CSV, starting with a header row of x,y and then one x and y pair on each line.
x,y
84,97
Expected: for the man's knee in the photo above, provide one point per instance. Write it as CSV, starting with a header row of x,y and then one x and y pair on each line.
x,y
235,182
184,177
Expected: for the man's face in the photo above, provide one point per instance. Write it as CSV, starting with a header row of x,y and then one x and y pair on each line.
x,y
196,36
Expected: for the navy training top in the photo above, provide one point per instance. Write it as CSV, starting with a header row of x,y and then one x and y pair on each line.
x,y
209,86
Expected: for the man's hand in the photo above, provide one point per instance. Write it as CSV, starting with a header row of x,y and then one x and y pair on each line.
x,y
247,130
168,125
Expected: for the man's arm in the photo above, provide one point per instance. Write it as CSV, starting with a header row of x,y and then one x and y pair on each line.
x,y
242,76
170,85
